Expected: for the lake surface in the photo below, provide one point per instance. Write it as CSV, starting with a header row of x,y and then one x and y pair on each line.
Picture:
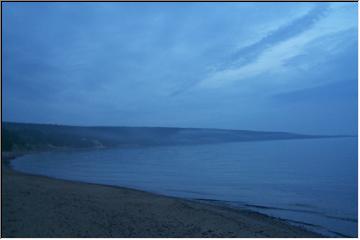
x,y
311,182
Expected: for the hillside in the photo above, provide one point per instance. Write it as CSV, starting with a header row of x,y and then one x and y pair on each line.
x,y
24,136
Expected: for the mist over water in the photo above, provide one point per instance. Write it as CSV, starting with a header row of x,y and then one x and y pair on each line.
x,y
311,182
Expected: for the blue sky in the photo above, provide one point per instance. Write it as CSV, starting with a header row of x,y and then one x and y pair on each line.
x,y
257,66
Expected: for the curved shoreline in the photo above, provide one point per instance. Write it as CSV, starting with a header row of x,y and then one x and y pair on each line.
x,y
39,206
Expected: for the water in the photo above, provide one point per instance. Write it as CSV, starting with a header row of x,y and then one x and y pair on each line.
x,y
311,182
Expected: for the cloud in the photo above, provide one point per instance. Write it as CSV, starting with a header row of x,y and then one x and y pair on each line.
x,y
292,29
271,54
170,64
228,67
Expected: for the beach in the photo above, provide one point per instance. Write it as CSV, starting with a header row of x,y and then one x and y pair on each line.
x,y
37,206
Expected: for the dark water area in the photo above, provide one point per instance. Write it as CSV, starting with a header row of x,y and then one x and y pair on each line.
x,y
308,182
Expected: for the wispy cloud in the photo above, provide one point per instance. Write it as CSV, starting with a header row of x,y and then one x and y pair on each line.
x,y
269,53
290,30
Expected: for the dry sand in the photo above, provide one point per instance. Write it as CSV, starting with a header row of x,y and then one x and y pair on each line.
x,y
35,206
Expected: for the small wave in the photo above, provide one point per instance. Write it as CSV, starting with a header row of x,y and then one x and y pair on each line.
x,y
191,192
340,234
282,209
303,223
208,199
302,211
343,218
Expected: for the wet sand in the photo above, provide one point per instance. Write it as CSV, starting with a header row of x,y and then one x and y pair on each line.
x,y
36,206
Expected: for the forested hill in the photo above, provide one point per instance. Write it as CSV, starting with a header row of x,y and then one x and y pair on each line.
x,y
25,136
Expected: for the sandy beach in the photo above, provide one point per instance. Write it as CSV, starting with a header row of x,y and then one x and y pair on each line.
x,y
36,206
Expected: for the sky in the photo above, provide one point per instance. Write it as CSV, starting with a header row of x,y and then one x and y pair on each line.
x,y
253,66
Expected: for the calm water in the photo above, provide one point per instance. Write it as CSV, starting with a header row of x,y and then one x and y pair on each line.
x,y
308,182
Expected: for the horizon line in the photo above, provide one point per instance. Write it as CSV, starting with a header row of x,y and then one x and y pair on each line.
x,y
198,128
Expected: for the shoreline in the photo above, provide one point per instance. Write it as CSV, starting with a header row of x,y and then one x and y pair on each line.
x,y
40,206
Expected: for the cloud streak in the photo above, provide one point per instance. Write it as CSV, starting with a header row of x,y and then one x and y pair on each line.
x,y
290,30
270,53
229,69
